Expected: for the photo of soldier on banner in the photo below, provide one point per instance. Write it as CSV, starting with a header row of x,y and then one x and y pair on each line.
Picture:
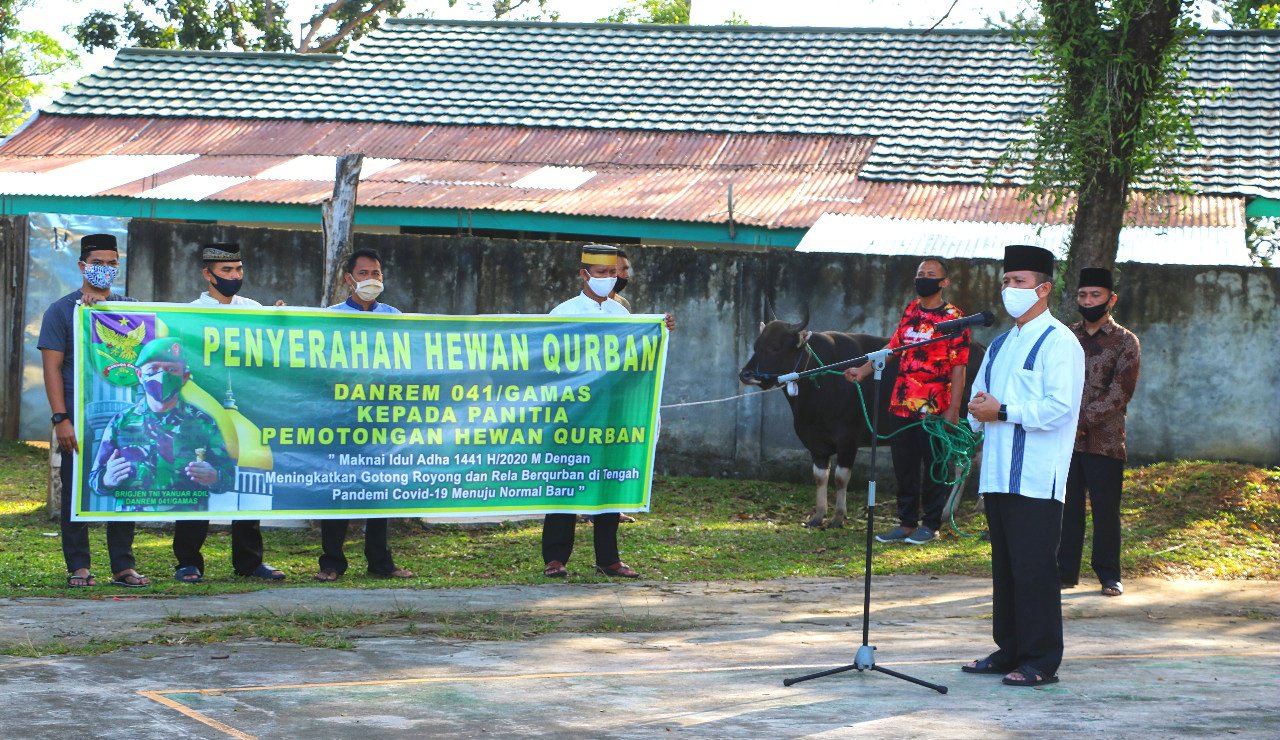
x,y
303,413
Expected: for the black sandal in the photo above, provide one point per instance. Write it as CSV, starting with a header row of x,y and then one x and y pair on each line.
x,y
87,581
986,665
1031,677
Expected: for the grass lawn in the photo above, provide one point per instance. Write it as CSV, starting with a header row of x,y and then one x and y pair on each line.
x,y
1181,519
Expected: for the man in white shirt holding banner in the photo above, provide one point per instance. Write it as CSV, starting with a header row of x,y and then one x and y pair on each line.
x,y
1026,400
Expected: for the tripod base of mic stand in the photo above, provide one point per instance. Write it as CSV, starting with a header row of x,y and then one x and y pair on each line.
x,y
865,660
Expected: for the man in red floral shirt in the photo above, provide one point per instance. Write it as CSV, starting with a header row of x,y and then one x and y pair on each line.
x,y
927,377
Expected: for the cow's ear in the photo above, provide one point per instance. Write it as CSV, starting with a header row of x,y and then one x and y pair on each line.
x,y
804,337
762,327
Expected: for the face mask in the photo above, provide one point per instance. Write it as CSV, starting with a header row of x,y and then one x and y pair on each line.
x,y
1018,301
162,386
101,276
618,286
1093,313
368,290
926,287
602,287
227,286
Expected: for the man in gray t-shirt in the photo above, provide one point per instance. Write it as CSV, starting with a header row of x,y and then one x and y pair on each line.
x,y
99,265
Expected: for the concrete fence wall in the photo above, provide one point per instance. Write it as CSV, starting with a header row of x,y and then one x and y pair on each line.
x,y
1211,349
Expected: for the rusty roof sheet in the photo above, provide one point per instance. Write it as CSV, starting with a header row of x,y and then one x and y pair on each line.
x,y
777,180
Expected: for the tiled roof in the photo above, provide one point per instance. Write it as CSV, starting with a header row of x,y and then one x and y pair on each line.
x,y
941,105
778,181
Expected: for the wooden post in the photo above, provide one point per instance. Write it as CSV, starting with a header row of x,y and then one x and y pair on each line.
x,y
338,216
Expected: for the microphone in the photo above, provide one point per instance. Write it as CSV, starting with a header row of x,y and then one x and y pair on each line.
x,y
986,318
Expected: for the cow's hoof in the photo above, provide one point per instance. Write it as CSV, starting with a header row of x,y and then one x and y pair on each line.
x,y
837,521
815,522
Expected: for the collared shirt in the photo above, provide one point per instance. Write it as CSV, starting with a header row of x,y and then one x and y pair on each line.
x,y
1037,372
57,333
1112,358
236,300
924,373
581,305
351,305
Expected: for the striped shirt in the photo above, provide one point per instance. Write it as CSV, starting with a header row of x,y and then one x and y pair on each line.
x,y
1037,372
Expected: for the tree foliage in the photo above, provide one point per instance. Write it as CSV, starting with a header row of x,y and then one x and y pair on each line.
x,y
1119,113
26,57
256,25
663,12
1257,14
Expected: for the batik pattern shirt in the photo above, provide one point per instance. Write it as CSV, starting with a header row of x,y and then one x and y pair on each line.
x,y
1112,357
924,373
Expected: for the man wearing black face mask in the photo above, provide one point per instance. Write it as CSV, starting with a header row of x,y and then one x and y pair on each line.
x,y
1113,357
930,381
223,270
624,277
162,444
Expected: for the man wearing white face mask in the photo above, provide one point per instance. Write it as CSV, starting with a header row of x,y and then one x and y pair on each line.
x,y
364,277
599,273
1026,399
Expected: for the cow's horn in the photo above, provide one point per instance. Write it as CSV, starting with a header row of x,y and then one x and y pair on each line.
x,y
768,307
803,322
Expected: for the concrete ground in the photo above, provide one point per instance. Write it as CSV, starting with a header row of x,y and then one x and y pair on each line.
x,y
1169,658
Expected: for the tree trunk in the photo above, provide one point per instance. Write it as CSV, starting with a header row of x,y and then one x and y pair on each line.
x,y
338,215
1095,234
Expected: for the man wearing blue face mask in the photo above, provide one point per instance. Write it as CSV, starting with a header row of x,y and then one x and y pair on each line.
x,y
223,269
1026,399
99,265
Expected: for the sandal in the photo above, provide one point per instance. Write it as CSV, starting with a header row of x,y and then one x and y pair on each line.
x,y
619,569
555,569
397,573
1028,676
84,581
327,576
1112,589
130,579
986,665
188,574
267,573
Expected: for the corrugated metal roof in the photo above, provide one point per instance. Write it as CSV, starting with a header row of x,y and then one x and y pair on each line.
x,y
778,180
1185,245
941,104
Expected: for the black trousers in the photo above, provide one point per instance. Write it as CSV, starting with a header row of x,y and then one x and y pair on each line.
x,y
75,535
916,488
1102,478
246,545
377,549
1026,599
558,531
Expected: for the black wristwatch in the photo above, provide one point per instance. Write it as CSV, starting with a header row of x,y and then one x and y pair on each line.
x,y
59,418
1003,413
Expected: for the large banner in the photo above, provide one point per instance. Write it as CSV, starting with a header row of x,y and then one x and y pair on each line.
x,y
186,412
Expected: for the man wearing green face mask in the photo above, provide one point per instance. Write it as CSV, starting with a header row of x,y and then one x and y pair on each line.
x,y
162,453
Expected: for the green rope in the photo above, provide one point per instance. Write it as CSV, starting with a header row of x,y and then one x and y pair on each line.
x,y
953,445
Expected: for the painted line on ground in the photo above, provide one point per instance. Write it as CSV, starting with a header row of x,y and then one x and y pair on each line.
x,y
162,695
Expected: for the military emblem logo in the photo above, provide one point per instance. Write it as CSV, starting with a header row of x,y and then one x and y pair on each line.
x,y
116,340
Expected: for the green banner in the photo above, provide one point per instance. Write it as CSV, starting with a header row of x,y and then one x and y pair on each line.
x,y
187,412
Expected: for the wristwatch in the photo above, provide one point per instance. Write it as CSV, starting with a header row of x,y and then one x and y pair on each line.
x,y
60,417
1003,413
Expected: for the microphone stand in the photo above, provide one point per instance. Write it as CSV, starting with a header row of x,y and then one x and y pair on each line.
x,y
865,659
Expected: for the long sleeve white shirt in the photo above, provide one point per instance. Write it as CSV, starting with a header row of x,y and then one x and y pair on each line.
x,y
580,305
236,300
1037,372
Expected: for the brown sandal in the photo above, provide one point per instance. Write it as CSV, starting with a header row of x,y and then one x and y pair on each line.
x,y
555,569
327,576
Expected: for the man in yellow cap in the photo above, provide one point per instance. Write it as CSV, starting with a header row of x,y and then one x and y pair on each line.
x,y
599,272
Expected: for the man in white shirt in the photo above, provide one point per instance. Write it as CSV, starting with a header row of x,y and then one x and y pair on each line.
x,y
1026,399
599,273
223,270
